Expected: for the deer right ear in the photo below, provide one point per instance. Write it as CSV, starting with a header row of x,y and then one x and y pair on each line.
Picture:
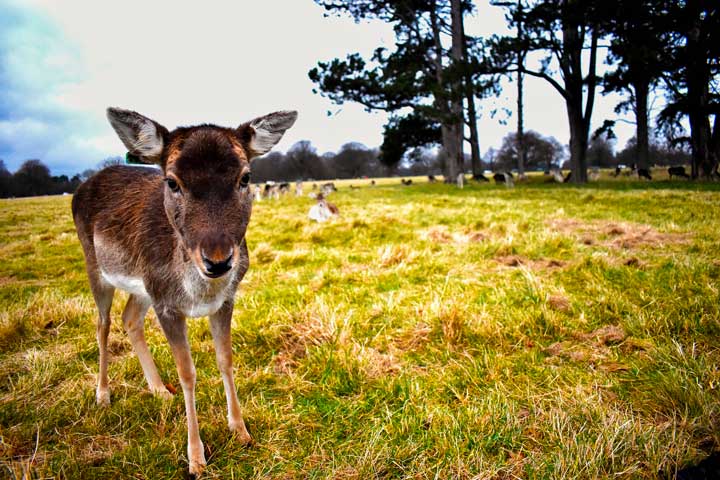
x,y
143,137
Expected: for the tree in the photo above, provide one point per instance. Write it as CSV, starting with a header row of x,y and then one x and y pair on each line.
x,y
600,153
268,167
637,48
111,161
87,173
418,75
403,133
515,17
470,89
564,30
5,180
539,151
354,160
302,161
31,179
660,154
692,80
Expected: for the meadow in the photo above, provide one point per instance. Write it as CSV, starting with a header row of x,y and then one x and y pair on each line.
x,y
545,331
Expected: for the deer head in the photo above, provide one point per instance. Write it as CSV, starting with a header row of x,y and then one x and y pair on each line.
x,y
206,193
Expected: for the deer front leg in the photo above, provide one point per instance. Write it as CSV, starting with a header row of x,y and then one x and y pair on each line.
x,y
220,328
175,329
134,322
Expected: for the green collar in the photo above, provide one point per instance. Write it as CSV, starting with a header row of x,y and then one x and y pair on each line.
x,y
131,159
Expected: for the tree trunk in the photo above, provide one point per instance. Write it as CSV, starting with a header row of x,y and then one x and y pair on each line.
x,y
642,90
698,80
521,153
574,31
456,97
474,137
449,148
578,143
702,164
715,145
472,117
572,72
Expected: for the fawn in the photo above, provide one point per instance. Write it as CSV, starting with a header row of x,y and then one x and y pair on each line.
x,y
174,239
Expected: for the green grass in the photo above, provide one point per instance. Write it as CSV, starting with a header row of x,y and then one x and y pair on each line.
x,y
546,331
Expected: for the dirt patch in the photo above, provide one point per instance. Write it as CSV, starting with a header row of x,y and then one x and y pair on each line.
x,y
415,338
96,449
392,255
607,335
559,302
296,340
520,261
436,234
476,237
376,364
441,234
633,262
621,235
590,347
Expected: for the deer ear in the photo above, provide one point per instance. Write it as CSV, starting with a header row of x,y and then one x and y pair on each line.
x,y
259,136
143,137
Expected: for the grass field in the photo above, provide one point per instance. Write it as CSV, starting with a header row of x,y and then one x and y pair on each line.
x,y
545,331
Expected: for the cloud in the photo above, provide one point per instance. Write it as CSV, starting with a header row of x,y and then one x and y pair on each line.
x,y
180,64
37,64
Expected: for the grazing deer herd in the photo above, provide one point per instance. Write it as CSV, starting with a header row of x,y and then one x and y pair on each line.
x,y
173,238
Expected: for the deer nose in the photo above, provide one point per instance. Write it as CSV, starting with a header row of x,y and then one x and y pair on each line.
x,y
214,268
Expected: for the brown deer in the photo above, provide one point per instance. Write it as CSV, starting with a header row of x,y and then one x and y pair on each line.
x,y
174,239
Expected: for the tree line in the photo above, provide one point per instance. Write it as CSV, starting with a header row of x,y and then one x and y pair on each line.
x,y
354,160
33,178
431,80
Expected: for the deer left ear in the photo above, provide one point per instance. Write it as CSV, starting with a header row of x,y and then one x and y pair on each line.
x,y
259,136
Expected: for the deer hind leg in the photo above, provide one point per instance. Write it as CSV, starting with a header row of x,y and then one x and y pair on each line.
x,y
134,322
103,294
175,330
220,329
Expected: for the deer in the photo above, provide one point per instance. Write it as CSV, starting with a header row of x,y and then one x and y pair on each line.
x,y
173,238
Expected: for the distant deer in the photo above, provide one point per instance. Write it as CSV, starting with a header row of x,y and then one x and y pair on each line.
x,y
504,177
678,172
322,210
174,239
257,193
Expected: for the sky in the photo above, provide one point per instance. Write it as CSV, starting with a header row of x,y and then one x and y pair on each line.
x,y
63,63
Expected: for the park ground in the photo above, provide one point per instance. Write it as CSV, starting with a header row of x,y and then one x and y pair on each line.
x,y
545,331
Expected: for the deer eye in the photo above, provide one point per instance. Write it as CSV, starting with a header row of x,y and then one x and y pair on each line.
x,y
245,180
172,185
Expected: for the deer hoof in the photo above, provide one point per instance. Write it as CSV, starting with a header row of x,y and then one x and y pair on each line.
x,y
103,397
241,433
197,463
162,393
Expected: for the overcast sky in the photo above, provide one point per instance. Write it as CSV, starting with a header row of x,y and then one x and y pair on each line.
x,y
63,63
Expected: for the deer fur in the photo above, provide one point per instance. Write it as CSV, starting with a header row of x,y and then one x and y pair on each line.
x,y
174,239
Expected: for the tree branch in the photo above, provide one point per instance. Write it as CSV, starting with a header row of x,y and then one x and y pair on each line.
x,y
542,75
